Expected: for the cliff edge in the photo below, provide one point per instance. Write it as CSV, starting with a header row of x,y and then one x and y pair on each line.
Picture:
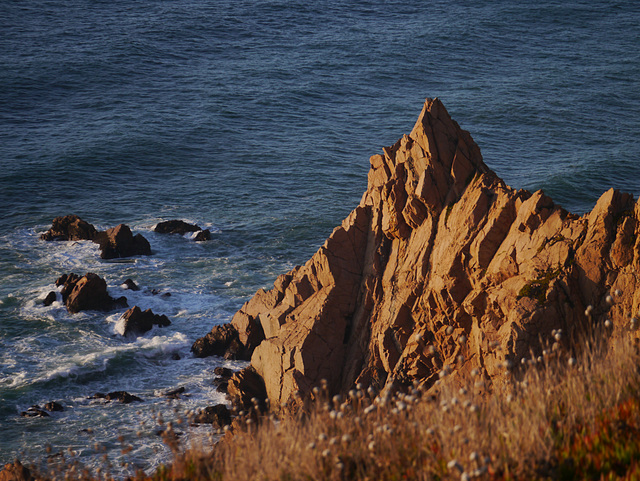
x,y
441,266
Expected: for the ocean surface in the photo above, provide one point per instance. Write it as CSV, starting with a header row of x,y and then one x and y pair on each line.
x,y
255,119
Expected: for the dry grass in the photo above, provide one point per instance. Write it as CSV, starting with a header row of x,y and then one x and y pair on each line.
x,y
545,425
554,418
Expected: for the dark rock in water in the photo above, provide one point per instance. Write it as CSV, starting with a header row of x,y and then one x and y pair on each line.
x,y
69,227
203,235
175,393
175,227
15,472
245,386
129,284
223,372
137,321
53,406
218,414
68,282
221,341
87,293
98,395
156,292
119,242
122,396
34,412
114,243
175,356
222,385
50,299
222,382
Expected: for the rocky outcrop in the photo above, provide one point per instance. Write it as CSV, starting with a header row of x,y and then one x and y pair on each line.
x,y
15,472
119,241
114,243
181,227
135,321
69,228
222,341
87,293
442,267
175,227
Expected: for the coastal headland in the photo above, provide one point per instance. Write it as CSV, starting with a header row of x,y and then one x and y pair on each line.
x,y
441,266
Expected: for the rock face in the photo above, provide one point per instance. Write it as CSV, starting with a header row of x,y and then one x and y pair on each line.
x,y
87,293
138,322
441,264
70,228
119,242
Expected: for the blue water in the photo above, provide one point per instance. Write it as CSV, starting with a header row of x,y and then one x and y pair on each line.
x,y
255,119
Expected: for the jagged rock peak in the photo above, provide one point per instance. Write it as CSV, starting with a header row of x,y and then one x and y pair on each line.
x,y
441,267
425,171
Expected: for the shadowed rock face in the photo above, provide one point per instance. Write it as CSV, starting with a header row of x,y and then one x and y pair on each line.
x,y
88,292
137,321
119,241
439,260
70,228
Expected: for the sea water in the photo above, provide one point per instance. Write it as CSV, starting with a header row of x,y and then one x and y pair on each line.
x,y
255,119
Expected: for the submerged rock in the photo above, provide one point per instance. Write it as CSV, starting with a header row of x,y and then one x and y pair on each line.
x,y
130,285
122,396
34,412
440,265
53,406
203,236
138,322
175,393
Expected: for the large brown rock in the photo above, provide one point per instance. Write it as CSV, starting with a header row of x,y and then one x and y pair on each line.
x,y
15,472
87,293
136,321
69,228
247,390
222,341
441,264
119,242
